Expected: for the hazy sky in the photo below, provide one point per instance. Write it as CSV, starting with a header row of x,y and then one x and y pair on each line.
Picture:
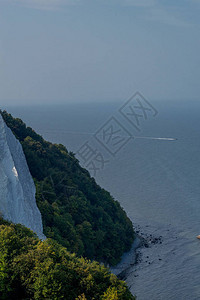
x,y
90,50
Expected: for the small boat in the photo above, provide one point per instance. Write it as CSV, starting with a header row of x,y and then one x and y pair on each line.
x,y
198,237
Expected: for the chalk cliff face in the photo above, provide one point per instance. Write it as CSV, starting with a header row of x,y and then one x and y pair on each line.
x,y
17,189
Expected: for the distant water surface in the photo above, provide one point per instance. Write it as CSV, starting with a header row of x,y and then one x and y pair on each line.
x,y
157,182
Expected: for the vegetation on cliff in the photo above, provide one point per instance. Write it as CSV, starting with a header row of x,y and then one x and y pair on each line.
x,y
35,269
76,212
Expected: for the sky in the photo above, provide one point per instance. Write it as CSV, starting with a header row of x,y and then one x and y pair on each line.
x,y
63,51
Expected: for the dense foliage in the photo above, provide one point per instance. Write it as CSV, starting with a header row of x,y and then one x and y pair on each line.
x,y
76,212
32,269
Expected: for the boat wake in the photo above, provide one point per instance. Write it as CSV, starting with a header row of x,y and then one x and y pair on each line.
x,y
156,138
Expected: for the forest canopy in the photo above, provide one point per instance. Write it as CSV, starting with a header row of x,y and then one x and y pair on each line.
x,y
76,212
35,269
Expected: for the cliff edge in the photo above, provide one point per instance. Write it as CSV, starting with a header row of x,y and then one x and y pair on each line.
x,y
17,189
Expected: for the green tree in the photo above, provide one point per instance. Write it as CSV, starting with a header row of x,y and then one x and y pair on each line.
x,y
35,269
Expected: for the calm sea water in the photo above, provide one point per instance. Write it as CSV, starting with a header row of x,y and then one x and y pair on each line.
x,y
157,182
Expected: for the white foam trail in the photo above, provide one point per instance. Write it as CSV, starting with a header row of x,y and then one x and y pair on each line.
x,y
155,138
93,133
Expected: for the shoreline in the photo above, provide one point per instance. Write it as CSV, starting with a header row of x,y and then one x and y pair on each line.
x,y
133,257
129,258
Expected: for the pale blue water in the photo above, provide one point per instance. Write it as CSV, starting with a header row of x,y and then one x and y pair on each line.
x,y
157,183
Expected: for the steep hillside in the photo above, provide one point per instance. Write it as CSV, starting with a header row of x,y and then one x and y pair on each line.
x,y
76,212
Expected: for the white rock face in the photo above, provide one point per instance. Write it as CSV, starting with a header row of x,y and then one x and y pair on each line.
x,y
17,189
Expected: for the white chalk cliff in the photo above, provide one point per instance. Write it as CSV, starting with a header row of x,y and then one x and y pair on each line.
x,y
17,189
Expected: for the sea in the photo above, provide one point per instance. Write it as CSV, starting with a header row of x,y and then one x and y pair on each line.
x,y
156,181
